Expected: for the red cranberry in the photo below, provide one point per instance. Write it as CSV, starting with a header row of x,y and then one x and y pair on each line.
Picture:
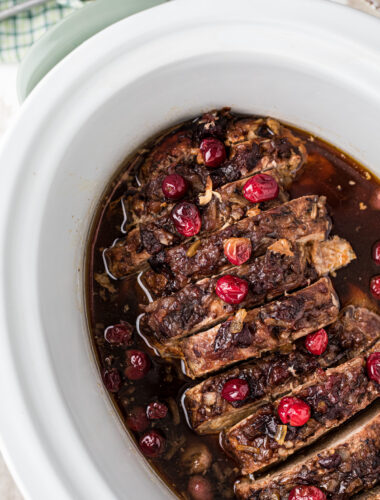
x,y
112,380
156,410
119,334
306,493
261,187
186,218
136,419
293,411
213,151
200,488
375,286
376,252
152,444
138,364
235,389
373,366
237,250
231,289
174,186
316,343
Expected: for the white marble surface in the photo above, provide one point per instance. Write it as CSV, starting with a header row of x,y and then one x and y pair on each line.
x,y
8,108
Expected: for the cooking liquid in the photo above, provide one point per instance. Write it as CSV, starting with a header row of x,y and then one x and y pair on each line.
x,y
353,197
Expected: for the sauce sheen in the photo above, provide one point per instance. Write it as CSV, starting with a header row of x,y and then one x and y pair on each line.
x,y
353,198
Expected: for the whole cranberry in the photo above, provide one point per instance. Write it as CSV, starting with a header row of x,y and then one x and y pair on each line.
x,y
293,411
199,488
112,380
306,493
231,289
174,186
373,366
261,187
375,287
213,151
136,419
119,334
237,250
186,218
156,410
152,444
235,389
376,252
316,343
138,364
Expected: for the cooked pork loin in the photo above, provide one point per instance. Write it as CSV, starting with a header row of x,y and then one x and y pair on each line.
x,y
218,209
303,219
331,255
284,267
277,374
332,396
263,329
253,146
234,281
340,466
373,494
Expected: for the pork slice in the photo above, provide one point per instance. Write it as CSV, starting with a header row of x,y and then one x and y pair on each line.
x,y
332,254
303,219
262,439
284,267
248,153
262,145
153,233
341,465
263,329
275,374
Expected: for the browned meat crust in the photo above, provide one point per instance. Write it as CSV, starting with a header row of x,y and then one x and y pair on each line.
x,y
284,267
303,219
333,396
369,495
224,206
197,306
276,374
264,329
253,145
227,197
347,463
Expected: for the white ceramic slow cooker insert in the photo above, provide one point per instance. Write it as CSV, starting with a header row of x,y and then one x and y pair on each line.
x,y
307,62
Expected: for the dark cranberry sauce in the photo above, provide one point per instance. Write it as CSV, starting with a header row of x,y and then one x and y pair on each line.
x,y
352,194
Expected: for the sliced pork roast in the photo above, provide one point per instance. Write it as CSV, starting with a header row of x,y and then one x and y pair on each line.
x,y
248,146
354,333
263,329
300,220
284,267
276,430
338,467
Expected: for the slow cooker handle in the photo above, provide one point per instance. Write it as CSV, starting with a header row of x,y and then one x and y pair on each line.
x,y
69,33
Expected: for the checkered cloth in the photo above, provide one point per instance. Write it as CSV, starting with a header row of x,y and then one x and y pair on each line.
x,y
18,33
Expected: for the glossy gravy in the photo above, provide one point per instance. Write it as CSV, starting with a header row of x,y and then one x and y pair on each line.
x,y
353,197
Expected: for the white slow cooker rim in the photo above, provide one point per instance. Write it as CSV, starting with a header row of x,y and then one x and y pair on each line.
x,y
57,84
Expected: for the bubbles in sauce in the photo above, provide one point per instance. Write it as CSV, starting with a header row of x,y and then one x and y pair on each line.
x,y
188,461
